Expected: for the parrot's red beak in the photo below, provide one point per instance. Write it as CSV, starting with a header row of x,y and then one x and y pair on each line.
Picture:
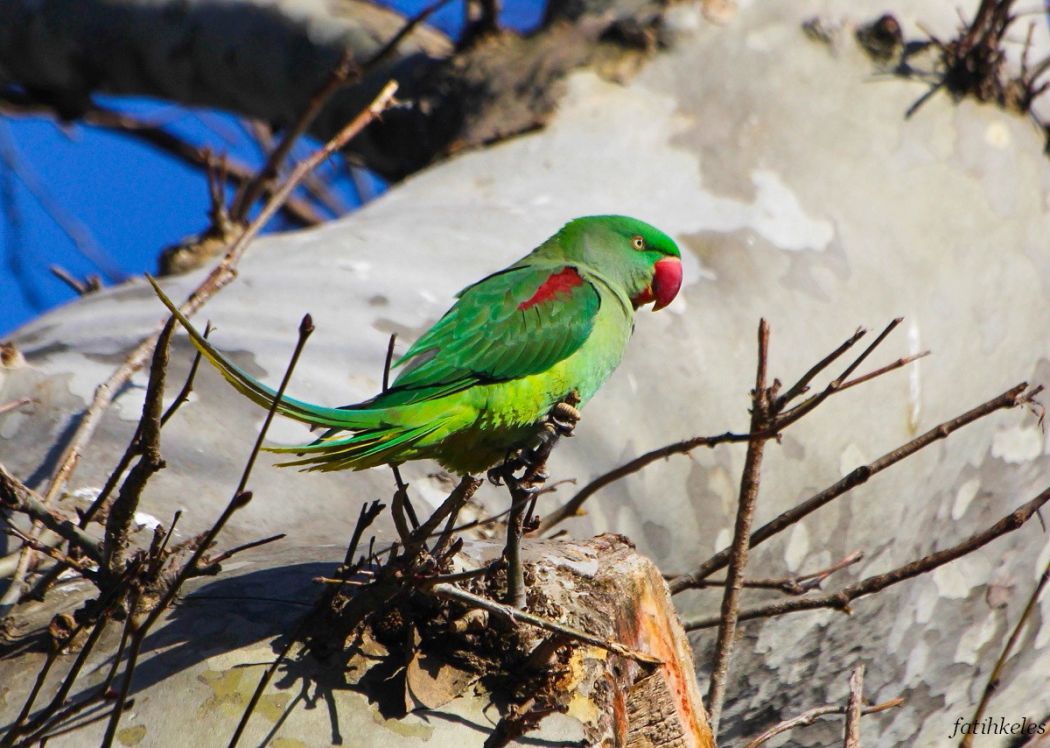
x,y
667,280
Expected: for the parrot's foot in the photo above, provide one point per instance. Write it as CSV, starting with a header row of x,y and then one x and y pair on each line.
x,y
563,418
530,482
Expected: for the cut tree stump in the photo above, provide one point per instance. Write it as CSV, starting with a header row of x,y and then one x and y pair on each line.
x,y
430,670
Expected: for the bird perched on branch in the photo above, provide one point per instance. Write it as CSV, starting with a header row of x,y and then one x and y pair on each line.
x,y
481,382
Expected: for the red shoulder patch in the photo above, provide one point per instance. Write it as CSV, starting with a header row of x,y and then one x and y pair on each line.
x,y
559,283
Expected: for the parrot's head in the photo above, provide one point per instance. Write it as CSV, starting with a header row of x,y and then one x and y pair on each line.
x,y
637,258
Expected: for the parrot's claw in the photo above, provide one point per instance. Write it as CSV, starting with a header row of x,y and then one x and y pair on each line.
x,y
563,429
566,413
495,476
538,475
530,488
563,417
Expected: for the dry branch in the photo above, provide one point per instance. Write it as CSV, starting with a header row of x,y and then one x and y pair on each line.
x,y
118,521
841,600
260,183
517,615
571,508
14,404
762,404
192,567
797,585
459,496
82,288
997,670
851,739
17,497
1012,398
811,716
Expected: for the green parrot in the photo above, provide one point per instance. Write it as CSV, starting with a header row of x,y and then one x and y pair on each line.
x,y
481,382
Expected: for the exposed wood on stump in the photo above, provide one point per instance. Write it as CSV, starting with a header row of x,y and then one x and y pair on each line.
x,y
427,667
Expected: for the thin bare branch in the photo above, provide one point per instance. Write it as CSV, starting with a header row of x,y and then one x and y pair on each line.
x,y
81,287
255,188
786,418
187,387
812,715
997,670
762,402
841,600
460,495
1012,398
851,730
798,585
65,561
517,615
571,508
900,363
14,404
226,555
802,385
367,516
121,514
16,496
407,28
241,497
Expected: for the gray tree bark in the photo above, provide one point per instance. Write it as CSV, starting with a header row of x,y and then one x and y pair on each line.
x,y
799,192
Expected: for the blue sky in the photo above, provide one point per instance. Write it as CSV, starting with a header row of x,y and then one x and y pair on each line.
x,y
125,199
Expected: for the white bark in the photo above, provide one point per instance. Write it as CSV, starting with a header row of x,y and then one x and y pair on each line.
x,y
799,192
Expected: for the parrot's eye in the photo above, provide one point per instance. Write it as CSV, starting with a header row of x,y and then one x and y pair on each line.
x,y
638,242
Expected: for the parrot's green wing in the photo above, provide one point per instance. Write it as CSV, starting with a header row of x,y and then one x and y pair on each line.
x,y
518,322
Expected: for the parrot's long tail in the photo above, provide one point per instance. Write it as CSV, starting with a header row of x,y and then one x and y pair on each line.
x,y
376,441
